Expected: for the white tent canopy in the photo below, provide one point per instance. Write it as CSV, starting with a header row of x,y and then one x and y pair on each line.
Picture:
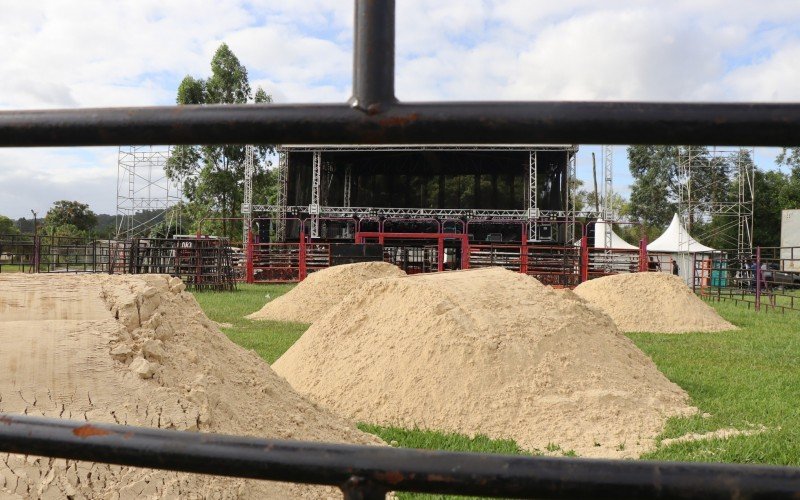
x,y
677,240
617,243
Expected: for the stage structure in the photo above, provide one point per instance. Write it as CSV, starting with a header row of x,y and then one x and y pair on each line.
x,y
495,182
731,204
429,208
144,192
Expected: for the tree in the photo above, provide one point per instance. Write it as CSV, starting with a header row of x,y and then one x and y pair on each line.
x,y
655,189
7,226
789,195
213,176
767,207
658,180
70,213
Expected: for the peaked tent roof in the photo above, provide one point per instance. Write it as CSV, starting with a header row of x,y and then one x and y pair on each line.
x,y
676,239
617,242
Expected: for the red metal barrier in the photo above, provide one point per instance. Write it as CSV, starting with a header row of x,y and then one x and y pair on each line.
x,y
439,238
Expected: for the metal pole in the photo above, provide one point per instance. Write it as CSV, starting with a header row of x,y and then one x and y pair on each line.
x,y
373,56
758,278
374,468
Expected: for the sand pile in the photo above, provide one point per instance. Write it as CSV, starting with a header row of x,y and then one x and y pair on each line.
x,y
321,290
138,351
487,351
651,302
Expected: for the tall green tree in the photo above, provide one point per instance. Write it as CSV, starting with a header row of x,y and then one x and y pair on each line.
x,y
213,176
789,194
70,213
658,181
767,207
7,226
654,193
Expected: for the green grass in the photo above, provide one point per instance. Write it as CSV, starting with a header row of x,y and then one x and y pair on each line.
x,y
745,378
433,440
269,339
12,268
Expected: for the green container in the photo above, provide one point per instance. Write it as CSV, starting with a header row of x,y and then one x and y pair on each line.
x,y
719,275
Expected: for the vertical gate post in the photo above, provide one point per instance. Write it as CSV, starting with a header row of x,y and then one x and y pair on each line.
x,y
584,258
250,273
758,278
302,264
643,255
465,251
440,252
523,256
37,249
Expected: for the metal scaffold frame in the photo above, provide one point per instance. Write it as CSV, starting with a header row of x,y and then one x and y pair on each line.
x,y
608,196
316,185
247,206
144,192
736,213
280,227
533,199
571,196
322,176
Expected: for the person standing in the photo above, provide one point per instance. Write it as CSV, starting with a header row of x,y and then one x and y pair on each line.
x,y
675,268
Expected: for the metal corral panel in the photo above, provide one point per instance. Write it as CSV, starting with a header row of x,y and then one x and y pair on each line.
x,y
790,237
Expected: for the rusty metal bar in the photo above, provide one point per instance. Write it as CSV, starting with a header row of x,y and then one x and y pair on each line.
x,y
368,471
373,55
423,123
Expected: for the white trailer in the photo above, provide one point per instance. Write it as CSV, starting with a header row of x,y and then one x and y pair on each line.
x,y
790,240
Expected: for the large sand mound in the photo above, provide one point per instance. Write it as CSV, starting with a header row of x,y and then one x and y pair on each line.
x,y
651,302
138,351
321,290
489,352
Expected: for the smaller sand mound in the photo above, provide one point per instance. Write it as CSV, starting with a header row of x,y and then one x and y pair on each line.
x,y
651,302
322,290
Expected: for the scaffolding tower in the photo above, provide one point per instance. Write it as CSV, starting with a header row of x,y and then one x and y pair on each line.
x,y
608,197
145,194
247,206
731,208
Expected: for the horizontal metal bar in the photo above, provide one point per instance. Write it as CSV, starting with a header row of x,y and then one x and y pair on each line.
x,y
390,468
479,213
421,123
336,148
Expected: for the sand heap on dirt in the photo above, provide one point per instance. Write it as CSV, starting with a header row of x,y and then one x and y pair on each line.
x,y
321,290
651,302
138,351
489,352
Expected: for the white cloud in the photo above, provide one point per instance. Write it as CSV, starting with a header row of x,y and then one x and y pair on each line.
x,y
776,78
35,178
134,52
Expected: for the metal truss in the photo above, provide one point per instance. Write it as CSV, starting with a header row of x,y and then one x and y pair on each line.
x,y
283,186
571,196
348,185
431,213
428,147
316,182
608,196
249,170
533,197
736,213
144,192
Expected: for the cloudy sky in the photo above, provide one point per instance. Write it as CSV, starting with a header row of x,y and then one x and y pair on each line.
x,y
86,53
